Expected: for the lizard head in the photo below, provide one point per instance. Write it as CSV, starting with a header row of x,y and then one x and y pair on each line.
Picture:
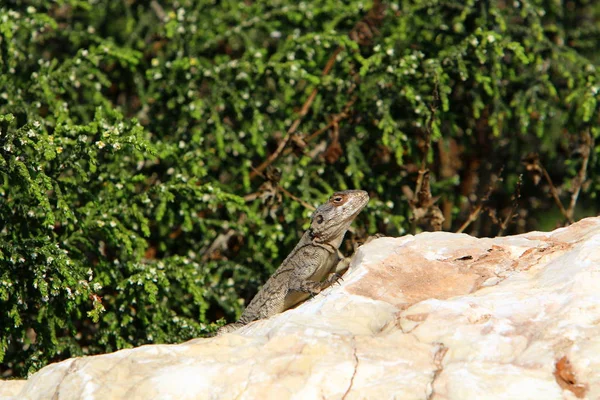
x,y
331,220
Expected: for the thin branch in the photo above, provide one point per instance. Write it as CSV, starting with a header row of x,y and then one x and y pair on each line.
x,y
429,130
480,206
258,170
158,10
581,176
511,214
284,191
296,123
472,218
554,193
422,195
362,33
335,120
299,200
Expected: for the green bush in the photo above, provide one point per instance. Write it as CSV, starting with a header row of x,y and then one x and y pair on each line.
x,y
131,133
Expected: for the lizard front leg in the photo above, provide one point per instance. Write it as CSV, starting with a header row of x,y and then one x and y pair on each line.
x,y
314,283
343,264
308,276
314,287
307,286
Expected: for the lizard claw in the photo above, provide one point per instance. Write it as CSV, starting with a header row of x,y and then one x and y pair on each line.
x,y
334,278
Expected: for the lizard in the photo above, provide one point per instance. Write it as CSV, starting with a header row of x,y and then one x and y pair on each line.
x,y
315,257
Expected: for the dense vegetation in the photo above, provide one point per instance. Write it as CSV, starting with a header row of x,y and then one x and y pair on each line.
x,y
159,159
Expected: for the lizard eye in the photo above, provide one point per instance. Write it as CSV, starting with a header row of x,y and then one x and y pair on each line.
x,y
319,219
338,199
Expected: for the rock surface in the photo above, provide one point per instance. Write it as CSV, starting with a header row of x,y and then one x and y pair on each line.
x,y
437,315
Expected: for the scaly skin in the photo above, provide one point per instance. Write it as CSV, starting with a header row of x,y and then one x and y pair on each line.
x,y
313,259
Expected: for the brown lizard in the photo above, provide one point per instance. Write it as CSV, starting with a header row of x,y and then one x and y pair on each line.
x,y
314,258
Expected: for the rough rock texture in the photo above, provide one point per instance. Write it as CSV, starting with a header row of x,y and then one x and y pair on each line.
x,y
437,315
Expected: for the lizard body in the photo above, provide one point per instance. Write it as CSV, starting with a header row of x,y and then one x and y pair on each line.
x,y
313,259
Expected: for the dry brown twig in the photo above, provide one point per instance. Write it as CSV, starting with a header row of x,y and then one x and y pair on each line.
x,y
362,33
253,196
515,204
554,193
481,204
158,10
303,111
585,149
422,204
534,165
335,119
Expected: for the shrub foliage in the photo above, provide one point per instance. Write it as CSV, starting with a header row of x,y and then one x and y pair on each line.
x,y
136,205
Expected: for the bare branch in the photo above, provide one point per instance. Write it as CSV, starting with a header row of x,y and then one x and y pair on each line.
x,y
515,204
476,212
296,123
362,33
585,150
554,193
284,191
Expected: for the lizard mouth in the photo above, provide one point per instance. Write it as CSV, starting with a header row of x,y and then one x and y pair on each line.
x,y
358,210
365,198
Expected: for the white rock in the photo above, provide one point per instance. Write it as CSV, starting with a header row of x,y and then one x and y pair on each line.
x,y
436,315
